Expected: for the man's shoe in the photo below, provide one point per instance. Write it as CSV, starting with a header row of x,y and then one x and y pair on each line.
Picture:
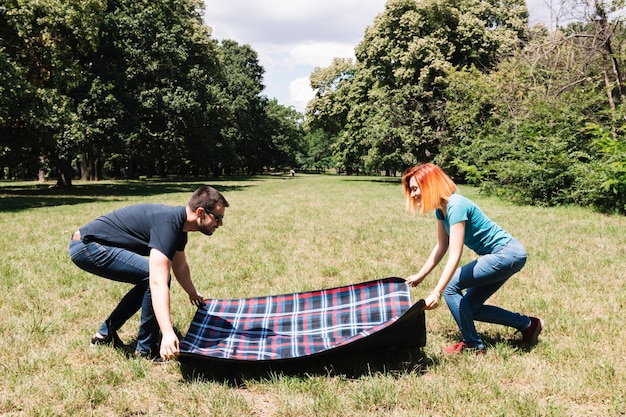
x,y
530,335
110,339
100,340
115,339
458,348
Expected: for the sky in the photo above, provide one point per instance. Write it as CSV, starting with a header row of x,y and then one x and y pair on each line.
x,y
292,37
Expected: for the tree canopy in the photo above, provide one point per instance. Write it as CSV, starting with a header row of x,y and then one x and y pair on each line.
x,y
94,89
124,88
530,113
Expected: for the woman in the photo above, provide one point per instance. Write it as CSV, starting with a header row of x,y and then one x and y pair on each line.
x,y
461,222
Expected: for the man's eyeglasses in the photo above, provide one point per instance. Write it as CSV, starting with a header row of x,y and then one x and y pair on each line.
x,y
218,217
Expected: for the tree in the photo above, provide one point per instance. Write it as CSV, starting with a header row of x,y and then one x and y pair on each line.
x,y
127,88
523,130
329,108
386,110
47,43
316,154
285,134
245,106
158,55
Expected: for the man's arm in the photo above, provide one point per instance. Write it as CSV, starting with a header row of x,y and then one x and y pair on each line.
x,y
160,267
183,276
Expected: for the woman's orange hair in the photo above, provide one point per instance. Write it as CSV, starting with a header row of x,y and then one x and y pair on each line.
x,y
435,186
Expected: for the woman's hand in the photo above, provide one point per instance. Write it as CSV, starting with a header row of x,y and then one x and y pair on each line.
x,y
432,301
414,280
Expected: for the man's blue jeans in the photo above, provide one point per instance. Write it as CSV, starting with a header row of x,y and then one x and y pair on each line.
x,y
481,279
124,266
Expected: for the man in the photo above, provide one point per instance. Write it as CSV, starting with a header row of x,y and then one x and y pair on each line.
x,y
140,245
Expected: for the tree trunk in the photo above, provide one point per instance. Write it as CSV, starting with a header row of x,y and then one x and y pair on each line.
x,y
64,171
85,169
97,169
607,34
41,174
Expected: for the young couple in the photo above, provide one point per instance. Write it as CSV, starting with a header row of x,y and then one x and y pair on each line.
x,y
141,244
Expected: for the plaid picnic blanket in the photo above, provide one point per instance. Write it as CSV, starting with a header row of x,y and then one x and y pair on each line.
x,y
296,325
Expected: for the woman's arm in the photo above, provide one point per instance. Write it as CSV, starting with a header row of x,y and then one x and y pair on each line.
x,y
455,250
435,256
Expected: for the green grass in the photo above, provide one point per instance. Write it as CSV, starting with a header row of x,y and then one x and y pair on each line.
x,y
296,234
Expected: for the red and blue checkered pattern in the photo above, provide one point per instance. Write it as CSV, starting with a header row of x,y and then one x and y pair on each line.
x,y
295,325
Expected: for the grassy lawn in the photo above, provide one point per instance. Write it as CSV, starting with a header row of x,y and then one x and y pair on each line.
x,y
296,234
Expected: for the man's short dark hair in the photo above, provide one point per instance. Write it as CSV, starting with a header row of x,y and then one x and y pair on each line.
x,y
206,197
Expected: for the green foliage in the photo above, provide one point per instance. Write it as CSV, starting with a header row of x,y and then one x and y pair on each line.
x,y
316,154
335,90
470,86
127,88
46,44
522,132
284,127
386,110
611,169
245,116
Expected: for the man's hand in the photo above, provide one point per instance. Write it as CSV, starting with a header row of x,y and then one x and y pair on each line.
x,y
196,299
169,347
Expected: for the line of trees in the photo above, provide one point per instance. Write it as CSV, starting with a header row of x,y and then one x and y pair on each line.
x,y
533,114
121,88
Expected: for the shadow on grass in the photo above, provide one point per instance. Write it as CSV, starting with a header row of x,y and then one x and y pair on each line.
x,y
514,343
495,340
236,373
395,181
23,196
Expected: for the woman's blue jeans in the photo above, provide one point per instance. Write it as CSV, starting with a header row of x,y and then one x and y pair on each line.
x,y
124,266
480,279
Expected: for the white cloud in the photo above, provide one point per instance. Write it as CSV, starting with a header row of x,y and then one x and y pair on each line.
x,y
292,21
309,54
292,37
300,92
320,53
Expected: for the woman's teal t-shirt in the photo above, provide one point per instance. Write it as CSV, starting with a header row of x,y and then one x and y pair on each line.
x,y
482,235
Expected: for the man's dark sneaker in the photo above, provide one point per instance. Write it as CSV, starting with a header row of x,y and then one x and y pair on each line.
x,y
458,348
110,339
530,335
115,339
100,340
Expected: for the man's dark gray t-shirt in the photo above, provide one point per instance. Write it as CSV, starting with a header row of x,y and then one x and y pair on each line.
x,y
139,228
